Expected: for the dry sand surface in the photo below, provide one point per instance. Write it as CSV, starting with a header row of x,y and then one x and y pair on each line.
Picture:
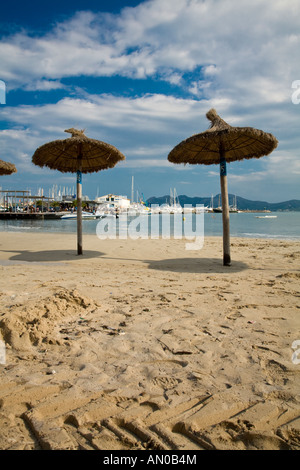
x,y
145,345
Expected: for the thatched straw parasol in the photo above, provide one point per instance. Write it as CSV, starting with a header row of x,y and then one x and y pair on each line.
x,y
220,144
77,154
7,168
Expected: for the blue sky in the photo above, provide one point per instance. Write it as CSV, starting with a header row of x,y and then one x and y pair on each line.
x,y
141,75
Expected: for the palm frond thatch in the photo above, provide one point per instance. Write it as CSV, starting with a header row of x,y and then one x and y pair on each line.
x,y
7,168
237,143
63,155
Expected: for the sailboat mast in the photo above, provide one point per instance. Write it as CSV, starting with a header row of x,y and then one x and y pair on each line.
x,y
132,189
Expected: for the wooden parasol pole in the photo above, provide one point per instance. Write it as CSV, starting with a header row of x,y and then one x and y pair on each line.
x,y
225,208
79,205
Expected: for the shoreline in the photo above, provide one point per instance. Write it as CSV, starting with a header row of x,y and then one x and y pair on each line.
x,y
142,344
58,215
247,225
263,237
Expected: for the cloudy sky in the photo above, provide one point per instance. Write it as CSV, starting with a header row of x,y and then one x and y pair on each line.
x,y
141,75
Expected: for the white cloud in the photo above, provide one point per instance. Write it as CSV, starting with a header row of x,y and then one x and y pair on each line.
x,y
145,163
238,57
44,85
233,41
210,70
2,92
144,128
150,112
283,165
198,88
248,176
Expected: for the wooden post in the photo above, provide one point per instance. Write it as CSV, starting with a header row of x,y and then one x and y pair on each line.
x,y
79,206
225,209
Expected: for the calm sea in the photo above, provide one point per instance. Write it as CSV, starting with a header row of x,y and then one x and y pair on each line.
x,y
285,226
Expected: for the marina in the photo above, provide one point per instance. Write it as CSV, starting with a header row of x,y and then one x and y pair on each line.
x,y
57,213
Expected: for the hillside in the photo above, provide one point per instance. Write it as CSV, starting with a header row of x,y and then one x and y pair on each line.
x,y
242,203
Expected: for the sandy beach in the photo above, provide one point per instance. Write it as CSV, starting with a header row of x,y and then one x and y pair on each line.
x,y
142,344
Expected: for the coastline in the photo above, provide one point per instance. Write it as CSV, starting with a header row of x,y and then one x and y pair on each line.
x,y
144,344
279,226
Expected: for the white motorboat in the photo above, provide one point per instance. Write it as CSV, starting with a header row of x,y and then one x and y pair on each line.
x,y
73,216
266,216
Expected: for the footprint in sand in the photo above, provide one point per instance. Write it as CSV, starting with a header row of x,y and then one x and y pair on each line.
x,y
165,382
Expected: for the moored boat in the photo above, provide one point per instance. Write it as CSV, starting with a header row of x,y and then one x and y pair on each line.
x,y
73,216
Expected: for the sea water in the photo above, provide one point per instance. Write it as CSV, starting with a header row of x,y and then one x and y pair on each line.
x,y
282,225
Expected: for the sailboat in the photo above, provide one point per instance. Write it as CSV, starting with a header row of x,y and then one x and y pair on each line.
x,y
175,207
140,207
219,208
171,207
211,207
232,208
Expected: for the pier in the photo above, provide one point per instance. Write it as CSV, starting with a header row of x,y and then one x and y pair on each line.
x,y
33,215
21,205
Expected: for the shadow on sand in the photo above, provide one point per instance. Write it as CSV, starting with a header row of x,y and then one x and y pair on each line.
x,y
181,265
51,255
196,265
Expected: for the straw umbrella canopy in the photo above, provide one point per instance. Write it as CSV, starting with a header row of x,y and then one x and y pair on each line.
x,y
7,168
220,144
77,154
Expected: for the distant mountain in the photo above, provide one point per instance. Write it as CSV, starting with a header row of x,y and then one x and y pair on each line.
x,y
242,203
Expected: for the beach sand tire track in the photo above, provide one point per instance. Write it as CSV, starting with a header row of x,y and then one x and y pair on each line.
x,y
69,420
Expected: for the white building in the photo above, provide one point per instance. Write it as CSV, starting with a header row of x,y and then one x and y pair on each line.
x,y
114,201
